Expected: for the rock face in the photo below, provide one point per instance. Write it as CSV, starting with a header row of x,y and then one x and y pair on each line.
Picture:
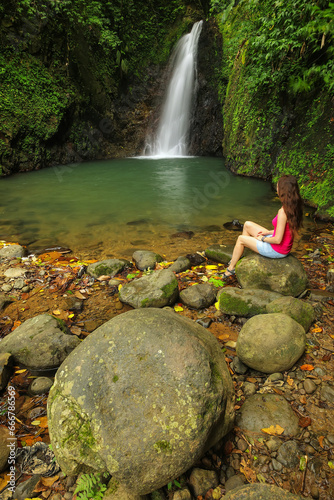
x,y
271,342
158,289
245,302
198,296
142,397
260,411
259,491
300,311
285,276
40,342
145,259
108,267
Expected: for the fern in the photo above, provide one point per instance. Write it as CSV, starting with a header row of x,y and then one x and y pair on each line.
x,y
90,487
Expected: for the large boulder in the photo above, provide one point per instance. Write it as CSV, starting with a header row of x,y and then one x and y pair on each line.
x,y
142,397
108,267
300,311
260,491
11,252
145,259
39,343
199,296
271,343
261,411
240,302
158,289
286,276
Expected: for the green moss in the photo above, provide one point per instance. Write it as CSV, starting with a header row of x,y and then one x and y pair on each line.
x,y
163,446
234,305
61,324
145,303
169,289
115,378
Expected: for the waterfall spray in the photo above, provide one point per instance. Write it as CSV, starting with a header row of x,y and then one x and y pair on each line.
x,y
172,135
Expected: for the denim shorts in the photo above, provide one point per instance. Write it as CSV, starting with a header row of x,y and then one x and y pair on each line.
x,y
266,250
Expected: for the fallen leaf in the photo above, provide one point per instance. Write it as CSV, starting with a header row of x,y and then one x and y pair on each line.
x,y
317,329
321,440
249,474
307,368
44,483
228,447
56,312
303,400
20,371
224,336
290,380
16,324
30,440
178,308
211,266
327,357
4,480
251,379
76,330
43,422
25,296
273,430
79,295
331,465
304,422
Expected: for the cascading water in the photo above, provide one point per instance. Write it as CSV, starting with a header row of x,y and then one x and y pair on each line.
x,y
172,135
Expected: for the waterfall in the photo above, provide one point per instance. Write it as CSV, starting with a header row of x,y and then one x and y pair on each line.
x,y
172,134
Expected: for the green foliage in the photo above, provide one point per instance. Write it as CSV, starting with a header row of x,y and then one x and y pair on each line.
x,y
90,487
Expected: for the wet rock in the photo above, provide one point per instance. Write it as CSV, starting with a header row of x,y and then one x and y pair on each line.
x,y
263,410
246,303
40,342
4,449
309,386
273,444
147,362
180,265
12,252
183,494
201,480
300,311
238,366
158,289
14,272
271,342
219,253
288,454
108,267
5,364
145,259
277,466
234,225
6,287
327,393
19,284
234,482
286,276
199,296
40,385
26,489
259,491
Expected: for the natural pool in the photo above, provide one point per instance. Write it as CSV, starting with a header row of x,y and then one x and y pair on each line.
x,y
112,207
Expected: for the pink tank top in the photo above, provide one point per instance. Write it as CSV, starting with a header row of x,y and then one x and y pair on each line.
x,y
287,241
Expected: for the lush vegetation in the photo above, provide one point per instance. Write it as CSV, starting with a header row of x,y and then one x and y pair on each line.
x,y
278,91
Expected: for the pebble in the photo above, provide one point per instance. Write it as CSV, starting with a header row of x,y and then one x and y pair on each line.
x,y
40,385
229,472
235,463
238,366
6,287
288,454
309,450
68,496
277,466
26,289
273,444
234,482
19,284
242,445
321,372
249,389
330,438
309,386
14,272
314,492
118,306
274,377
327,393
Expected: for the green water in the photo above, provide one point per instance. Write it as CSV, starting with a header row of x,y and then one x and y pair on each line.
x,y
115,205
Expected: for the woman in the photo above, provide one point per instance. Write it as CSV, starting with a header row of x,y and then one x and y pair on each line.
x,y
277,243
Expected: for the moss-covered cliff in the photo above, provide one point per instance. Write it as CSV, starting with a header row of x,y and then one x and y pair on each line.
x,y
278,93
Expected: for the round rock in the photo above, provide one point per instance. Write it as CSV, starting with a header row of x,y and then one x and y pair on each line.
x,y
12,252
143,396
260,411
259,491
198,296
271,342
40,385
286,276
145,259
40,342
158,289
108,267
300,311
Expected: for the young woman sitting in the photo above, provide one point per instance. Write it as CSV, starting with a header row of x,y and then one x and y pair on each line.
x,y
278,242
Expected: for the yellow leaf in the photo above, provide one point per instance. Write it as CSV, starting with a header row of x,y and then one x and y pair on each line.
x,y
273,430
71,315
119,286
43,422
290,380
178,308
20,371
36,422
217,305
209,266
56,312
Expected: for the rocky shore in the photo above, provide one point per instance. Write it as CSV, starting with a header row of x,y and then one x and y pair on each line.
x,y
264,393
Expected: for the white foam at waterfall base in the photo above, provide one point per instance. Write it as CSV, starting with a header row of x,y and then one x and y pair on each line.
x,y
171,139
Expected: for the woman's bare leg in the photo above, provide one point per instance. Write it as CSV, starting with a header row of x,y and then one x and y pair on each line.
x,y
252,229
242,242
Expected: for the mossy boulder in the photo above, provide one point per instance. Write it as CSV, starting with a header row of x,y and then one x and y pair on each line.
x,y
198,296
297,309
39,343
286,276
240,302
108,267
142,397
271,343
145,259
158,289
260,491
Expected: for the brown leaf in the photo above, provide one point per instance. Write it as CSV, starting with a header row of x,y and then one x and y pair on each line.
x,y
249,474
25,296
44,483
251,379
79,295
327,357
228,447
304,422
303,400
321,440
76,330
307,368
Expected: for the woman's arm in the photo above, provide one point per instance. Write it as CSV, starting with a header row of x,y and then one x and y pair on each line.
x,y
280,228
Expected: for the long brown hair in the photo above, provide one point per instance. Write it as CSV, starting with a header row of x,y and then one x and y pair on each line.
x,y
288,193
